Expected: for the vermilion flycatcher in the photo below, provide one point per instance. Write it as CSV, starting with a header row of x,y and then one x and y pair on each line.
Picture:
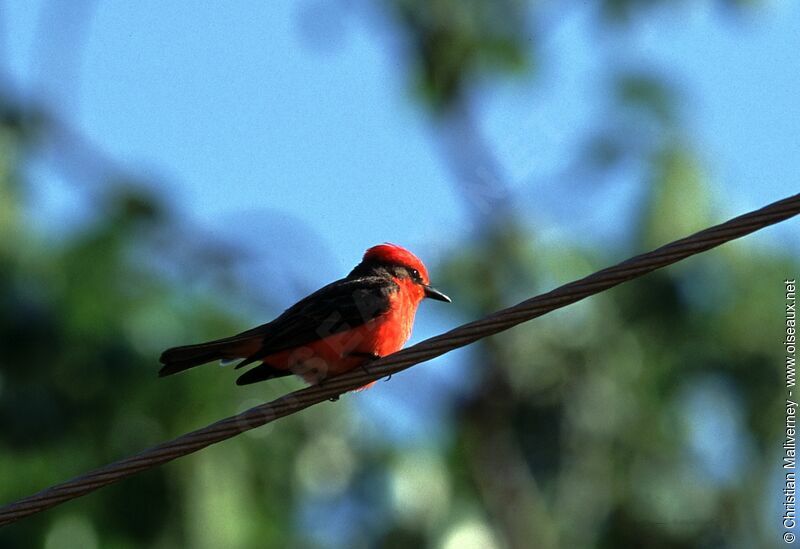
x,y
366,315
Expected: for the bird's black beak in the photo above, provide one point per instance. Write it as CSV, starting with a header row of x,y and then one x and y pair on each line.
x,y
433,293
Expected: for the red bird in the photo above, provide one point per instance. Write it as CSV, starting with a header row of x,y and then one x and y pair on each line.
x,y
366,315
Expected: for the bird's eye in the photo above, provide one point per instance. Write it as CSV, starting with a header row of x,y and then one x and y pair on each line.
x,y
415,274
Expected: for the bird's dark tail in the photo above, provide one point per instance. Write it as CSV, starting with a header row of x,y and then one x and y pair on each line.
x,y
178,359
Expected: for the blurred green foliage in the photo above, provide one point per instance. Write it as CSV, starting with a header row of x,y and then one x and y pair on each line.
x,y
648,416
82,320
454,41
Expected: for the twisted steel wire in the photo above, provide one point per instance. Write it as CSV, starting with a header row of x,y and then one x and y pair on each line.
x,y
423,351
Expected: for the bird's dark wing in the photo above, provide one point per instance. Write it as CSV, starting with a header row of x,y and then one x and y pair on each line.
x,y
337,307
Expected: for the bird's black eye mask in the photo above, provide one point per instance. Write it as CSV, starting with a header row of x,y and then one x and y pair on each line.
x,y
374,268
401,271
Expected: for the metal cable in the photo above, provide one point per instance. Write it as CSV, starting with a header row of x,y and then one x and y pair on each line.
x,y
426,350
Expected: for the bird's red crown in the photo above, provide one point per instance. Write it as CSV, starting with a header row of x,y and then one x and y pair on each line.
x,y
397,255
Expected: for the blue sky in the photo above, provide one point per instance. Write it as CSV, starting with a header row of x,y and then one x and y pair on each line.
x,y
290,125
266,113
